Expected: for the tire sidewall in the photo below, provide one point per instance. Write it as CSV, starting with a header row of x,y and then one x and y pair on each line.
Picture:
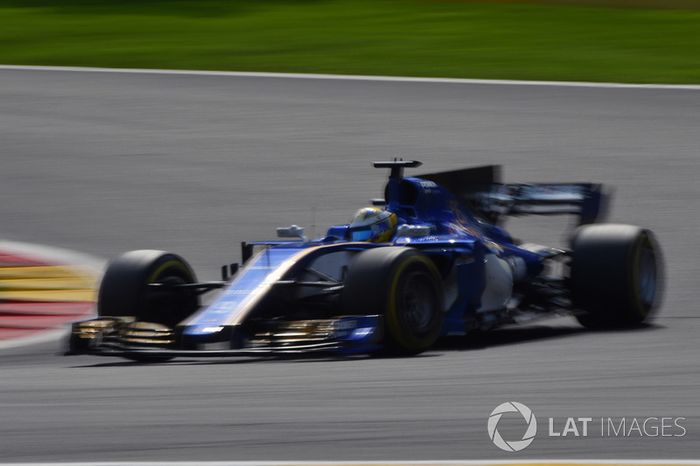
x,y
395,323
373,283
124,289
606,272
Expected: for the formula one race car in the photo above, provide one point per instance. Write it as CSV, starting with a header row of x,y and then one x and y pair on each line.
x,y
430,259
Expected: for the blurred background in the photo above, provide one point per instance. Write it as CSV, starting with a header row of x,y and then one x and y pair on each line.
x,y
589,40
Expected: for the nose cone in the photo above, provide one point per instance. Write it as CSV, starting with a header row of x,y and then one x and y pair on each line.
x,y
250,285
201,337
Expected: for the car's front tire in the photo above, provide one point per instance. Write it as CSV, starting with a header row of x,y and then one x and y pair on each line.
x,y
125,290
404,287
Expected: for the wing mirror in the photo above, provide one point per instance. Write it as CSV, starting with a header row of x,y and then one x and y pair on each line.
x,y
292,231
413,231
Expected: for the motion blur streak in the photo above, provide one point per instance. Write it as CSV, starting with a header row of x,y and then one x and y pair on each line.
x,y
41,292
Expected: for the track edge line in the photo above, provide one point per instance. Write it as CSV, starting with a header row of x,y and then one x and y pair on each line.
x,y
347,77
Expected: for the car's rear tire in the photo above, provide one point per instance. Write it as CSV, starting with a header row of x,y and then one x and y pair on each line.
x,y
124,290
404,287
616,275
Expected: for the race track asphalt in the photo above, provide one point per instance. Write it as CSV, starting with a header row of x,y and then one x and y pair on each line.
x,y
103,163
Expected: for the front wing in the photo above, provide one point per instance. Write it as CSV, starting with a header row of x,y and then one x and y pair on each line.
x,y
125,337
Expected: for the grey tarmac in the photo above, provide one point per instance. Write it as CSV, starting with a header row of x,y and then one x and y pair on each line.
x,y
106,162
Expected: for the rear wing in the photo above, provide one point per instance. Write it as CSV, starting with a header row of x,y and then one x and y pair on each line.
x,y
588,201
481,189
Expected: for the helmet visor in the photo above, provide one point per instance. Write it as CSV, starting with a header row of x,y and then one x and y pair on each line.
x,y
362,234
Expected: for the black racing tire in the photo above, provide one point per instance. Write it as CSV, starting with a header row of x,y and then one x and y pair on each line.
x,y
616,275
403,286
124,289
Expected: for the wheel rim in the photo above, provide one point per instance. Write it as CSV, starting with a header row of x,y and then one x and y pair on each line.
x,y
417,304
647,276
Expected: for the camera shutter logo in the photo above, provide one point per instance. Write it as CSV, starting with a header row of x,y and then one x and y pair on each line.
x,y
528,436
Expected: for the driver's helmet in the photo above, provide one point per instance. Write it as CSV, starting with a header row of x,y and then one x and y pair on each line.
x,y
373,224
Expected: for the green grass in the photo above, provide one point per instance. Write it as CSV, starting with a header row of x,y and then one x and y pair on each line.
x,y
391,37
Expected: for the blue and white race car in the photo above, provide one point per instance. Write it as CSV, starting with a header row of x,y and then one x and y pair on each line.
x,y
430,259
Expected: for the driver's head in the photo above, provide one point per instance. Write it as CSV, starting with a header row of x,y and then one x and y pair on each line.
x,y
373,224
